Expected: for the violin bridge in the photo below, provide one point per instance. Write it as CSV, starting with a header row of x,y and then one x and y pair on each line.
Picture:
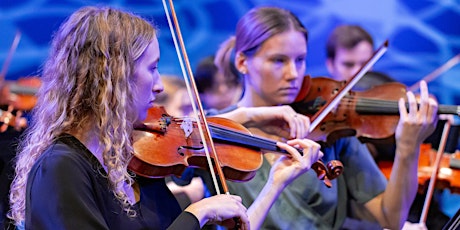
x,y
187,126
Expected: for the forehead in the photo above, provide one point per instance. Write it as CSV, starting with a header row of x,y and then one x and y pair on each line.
x,y
152,52
362,50
290,42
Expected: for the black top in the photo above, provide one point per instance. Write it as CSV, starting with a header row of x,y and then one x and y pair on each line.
x,y
8,145
68,189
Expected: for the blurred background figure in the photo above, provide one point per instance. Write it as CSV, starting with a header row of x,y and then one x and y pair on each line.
x,y
174,98
347,50
217,89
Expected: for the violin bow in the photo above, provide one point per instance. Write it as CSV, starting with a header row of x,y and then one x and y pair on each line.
x,y
6,64
442,143
434,173
195,99
433,75
334,101
445,134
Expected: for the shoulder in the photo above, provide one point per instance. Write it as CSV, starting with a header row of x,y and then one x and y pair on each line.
x,y
346,147
349,144
63,161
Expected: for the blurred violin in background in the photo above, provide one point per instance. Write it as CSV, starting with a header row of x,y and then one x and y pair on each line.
x,y
447,177
16,96
20,93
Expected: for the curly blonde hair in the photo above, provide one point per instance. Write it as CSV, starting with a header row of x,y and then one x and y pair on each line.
x,y
87,79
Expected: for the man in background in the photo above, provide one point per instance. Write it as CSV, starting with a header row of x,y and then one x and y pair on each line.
x,y
348,49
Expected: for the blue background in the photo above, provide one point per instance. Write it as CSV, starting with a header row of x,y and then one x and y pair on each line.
x,y
422,34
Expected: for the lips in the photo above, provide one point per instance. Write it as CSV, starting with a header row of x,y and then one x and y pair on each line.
x,y
151,102
289,90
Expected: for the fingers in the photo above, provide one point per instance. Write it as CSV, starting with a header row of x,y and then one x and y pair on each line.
x,y
419,119
424,101
298,124
310,150
220,208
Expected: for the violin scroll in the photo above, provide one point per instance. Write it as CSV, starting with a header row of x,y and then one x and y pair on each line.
x,y
326,173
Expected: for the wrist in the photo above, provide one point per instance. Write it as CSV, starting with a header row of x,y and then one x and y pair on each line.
x,y
407,153
203,217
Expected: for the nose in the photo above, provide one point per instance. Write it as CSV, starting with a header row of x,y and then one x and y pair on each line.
x,y
291,71
158,86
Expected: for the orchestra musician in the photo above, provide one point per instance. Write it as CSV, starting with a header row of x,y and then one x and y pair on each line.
x,y
100,79
348,47
217,90
270,46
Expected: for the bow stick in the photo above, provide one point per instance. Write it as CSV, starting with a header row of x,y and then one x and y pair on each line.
x,y
195,99
327,108
431,76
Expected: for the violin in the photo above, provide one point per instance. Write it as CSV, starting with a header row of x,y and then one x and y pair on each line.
x,y
17,96
447,174
20,93
11,118
370,114
165,145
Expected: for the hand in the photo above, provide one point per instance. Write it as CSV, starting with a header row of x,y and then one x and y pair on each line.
x,y
279,120
220,209
414,226
289,167
417,124
194,190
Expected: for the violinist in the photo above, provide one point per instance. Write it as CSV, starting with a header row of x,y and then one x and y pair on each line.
x,y
270,46
347,49
100,79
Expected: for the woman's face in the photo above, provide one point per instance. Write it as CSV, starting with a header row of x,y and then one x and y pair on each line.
x,y
276,71
147,80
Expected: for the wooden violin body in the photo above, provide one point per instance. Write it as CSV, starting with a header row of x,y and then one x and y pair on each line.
x,y
165,145
165,148
21,93
447,176
16,97
370,114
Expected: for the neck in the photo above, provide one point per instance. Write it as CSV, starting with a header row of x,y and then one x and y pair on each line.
x,y
90,139
252,99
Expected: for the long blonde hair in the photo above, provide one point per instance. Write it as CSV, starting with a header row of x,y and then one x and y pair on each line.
x,y
87,80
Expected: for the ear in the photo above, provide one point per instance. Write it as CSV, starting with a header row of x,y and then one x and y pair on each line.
x,y
330,65
241,63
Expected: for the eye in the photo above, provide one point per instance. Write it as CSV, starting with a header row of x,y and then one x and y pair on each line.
x,y
278,60
153,68
300,59
349,64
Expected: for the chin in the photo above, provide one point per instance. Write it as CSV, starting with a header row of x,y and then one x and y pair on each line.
x,y
286,100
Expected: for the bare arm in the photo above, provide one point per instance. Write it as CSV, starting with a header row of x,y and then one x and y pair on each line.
x,y
279,120
282,173
392,206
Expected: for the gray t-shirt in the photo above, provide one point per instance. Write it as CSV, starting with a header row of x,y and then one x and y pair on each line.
x,y
307,203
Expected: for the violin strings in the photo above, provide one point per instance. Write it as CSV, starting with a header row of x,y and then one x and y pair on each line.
x,y
378,106
242,138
